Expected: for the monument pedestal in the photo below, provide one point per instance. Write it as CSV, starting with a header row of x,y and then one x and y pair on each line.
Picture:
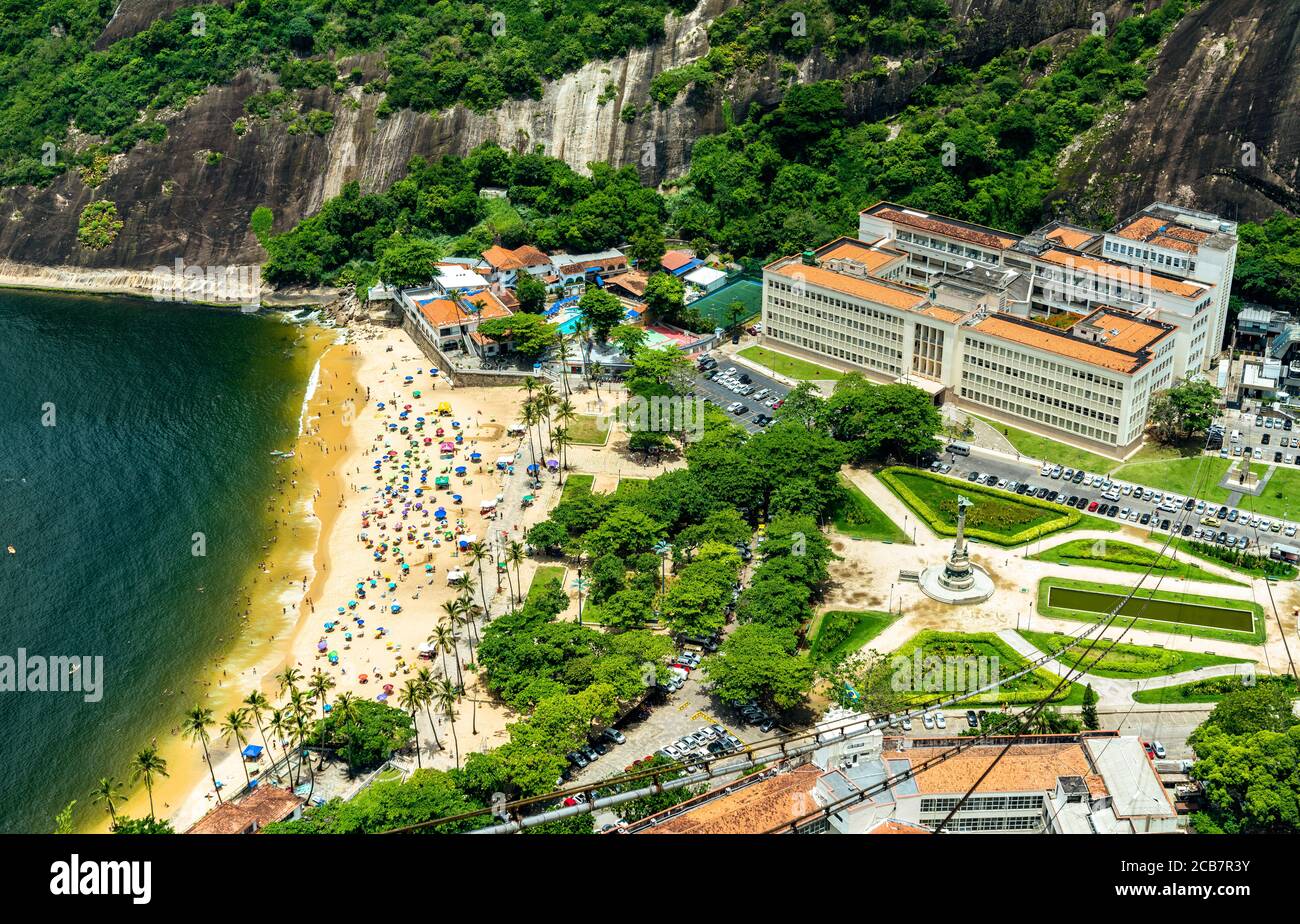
x,y
958,580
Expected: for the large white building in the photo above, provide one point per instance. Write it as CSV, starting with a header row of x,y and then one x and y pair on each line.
x,y
1065,329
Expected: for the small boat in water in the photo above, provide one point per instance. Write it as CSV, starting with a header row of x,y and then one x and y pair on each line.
x,y
281,454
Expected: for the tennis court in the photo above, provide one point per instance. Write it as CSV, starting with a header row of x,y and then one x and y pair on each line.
x,y
715,307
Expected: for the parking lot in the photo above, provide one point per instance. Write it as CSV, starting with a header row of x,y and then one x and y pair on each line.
x,y
1139,507
1263,436
719,394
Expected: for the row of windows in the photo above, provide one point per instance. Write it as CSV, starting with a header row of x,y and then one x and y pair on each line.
x,y
781,306
1038,416
1042,382
827,335
982,803
820,345
1039,400
1057,370
935,243
1152,256
841,305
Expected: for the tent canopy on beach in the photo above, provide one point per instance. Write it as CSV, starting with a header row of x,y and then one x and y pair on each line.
x,y
252,751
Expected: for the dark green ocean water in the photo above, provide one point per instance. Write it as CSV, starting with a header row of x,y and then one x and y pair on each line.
x,y
165,416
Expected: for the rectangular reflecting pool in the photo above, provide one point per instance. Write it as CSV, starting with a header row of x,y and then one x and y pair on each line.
x,y
1196,614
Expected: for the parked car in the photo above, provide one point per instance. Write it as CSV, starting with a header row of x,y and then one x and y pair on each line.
x,y
972,719
614,736
940,721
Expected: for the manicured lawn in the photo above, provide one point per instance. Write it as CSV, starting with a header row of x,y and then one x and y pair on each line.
x,y
1123,556
1045,450
585,430
788,365
977,648
869,624
858,516
629,488
1210,690
1125,661
575,485
543,574
1179,476
1153,610
1281,497
997,516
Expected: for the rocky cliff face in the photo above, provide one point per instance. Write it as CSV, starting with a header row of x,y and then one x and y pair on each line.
x,y
1219,128
175,204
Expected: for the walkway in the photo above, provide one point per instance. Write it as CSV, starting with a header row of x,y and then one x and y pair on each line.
x,y
1113,690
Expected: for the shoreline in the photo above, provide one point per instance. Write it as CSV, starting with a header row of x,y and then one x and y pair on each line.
x,y
260,644
380,359
134,283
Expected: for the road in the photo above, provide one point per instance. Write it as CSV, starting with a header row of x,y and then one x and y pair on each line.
x,y
721,396
988,463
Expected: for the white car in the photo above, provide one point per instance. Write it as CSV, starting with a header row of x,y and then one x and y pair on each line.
x,y
907,724
927,720
1046,470
1289,531
939,720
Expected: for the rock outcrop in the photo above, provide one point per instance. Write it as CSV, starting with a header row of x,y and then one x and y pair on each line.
x,y
1208,95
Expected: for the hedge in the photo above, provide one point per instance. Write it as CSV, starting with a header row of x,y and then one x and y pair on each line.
x,y
1067,519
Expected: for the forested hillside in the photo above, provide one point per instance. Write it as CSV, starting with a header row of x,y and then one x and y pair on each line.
x,y
134,134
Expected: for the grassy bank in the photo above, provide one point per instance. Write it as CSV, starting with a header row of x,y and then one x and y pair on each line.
x,y
1125,661
837,632
789,366
1044,449
858,516
983,645
1123,556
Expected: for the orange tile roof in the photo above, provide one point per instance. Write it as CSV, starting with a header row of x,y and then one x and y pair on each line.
x,y
520,257
753,809
1163,233
442,312
1025,768
500,258
848,248
944,314
937,224
1070,237
895,826
676,259
262,806
1122,271
908,299
1133,333
1042,337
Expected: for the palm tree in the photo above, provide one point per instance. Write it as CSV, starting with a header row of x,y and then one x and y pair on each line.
x,y
234,726
409,698
469,611
443,638
195,726
531,416
425,679
320,684
562,441
444,694
515,555
257,704
300,713
547,398
280,724
146,765
289,678
110,793
596,371
478,553
562,348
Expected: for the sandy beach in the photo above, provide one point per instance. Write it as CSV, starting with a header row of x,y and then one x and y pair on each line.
x,y
297,593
